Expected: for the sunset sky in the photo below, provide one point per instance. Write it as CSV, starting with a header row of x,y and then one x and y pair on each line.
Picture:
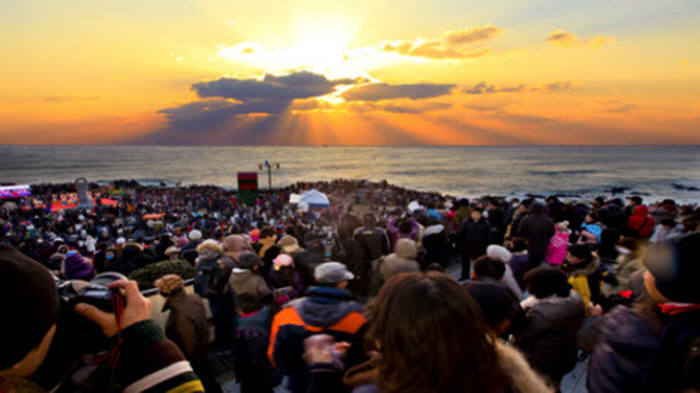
x,y
350,72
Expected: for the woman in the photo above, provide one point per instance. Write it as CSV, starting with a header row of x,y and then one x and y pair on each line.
x,y
552,317
428,336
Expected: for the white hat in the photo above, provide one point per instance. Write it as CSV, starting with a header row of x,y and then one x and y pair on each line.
x,y
499,252
195,235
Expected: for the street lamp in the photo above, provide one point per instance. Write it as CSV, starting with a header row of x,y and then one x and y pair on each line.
x,y
269,167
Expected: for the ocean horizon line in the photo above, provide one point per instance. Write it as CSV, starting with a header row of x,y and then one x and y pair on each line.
x,y
349,146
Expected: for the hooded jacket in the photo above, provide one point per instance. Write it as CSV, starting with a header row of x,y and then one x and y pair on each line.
x,y
640,223
326,310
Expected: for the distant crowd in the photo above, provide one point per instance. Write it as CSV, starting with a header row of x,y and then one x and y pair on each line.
x,y
383,290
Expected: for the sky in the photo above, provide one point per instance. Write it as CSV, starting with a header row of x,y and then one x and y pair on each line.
x,y
350,72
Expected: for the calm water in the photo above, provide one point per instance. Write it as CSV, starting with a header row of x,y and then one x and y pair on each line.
x,y
458,171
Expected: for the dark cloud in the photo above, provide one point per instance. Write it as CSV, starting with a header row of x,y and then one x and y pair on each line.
x,y
568,39
385,91
483,88
449,46
231,104
302,84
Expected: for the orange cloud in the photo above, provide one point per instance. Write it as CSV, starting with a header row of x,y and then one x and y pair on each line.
x,y
449,46
568,39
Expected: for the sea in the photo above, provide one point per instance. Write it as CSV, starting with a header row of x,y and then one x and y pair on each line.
x,y
655,173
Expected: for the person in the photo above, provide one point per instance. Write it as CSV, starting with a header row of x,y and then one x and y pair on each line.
x,y
553,315
585,274
147,359
428,336
246,277
591,229
640,224
284,279
494,269
652,346
500,309
374,244
401,261
187,326
212,273
538,230
267,248
556,249
504,255
253,370
474,235
235,245
328,308
76,267
496,218
189,251
667,228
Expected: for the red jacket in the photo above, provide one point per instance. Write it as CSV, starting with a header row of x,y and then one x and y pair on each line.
x,y
641,222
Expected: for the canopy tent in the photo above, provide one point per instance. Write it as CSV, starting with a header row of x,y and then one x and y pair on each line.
x,y
294,198
314,198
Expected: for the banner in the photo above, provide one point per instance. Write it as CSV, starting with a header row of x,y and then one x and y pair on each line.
x,y
248,187
15,191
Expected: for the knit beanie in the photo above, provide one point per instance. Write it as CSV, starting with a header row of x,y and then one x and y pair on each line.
x,y
29,305
676,268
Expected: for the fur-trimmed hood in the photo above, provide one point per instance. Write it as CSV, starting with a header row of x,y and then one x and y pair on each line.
x,y
524,378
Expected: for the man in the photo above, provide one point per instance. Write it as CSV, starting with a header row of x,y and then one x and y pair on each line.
x,y
538,230
652,346
187,326
374,243
328,308
147,360
493,269
474,235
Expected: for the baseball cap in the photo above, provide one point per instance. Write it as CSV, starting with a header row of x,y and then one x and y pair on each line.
x,y
332,272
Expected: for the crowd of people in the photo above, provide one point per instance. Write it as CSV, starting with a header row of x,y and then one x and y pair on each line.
x,y
355,296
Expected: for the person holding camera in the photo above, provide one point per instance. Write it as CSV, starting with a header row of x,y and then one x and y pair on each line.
x,y
141,358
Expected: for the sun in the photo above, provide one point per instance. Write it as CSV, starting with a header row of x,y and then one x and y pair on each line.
x,y
320,43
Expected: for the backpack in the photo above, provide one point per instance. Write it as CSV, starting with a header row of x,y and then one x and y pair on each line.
x,y
207,279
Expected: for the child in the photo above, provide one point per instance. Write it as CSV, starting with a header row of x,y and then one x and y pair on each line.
x,y
252,336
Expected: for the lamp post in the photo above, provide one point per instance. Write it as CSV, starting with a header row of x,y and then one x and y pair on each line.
x,y
269,167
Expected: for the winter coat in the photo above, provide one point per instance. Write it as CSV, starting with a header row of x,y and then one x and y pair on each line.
x,y
548,337
587,281
246,281
475,232
626,345
640,223
324,310
252,367
277,279
556,250
187,325
373,241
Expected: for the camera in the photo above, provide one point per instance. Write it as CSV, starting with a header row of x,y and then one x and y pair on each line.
x,y
77,338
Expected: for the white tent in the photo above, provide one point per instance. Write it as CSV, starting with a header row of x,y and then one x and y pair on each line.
x,y
294,198
315,198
